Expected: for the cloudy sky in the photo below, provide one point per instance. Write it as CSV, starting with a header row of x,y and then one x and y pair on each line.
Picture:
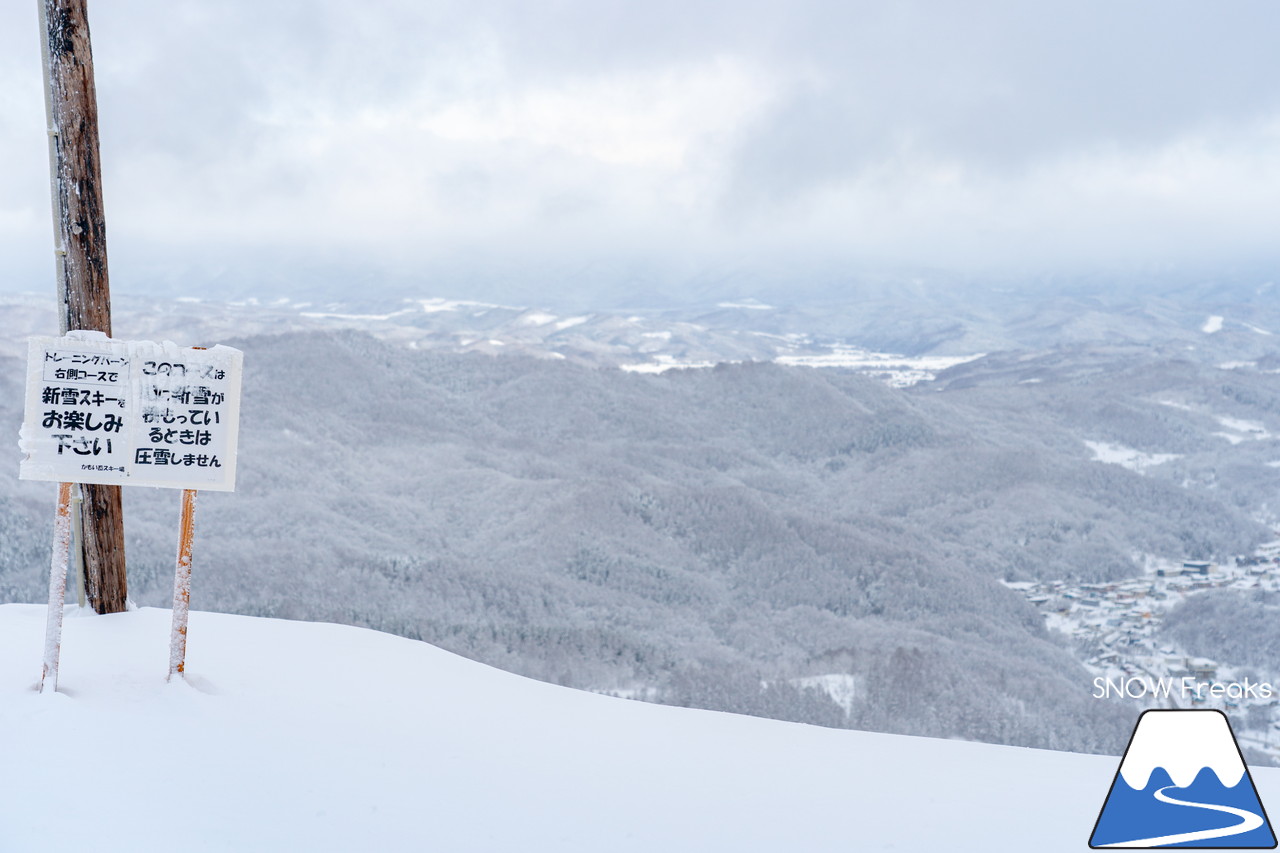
x,y
586,142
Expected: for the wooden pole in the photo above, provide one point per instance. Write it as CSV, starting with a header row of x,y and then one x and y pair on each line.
x,y
57,588
182,586
77,537
80,246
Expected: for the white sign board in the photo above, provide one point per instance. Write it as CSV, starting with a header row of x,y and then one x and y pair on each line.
x,y
131,413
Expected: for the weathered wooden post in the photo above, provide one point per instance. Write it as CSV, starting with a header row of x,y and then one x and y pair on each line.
x,y
80,246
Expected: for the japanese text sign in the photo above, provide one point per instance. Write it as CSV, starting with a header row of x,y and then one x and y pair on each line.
x,y
131,413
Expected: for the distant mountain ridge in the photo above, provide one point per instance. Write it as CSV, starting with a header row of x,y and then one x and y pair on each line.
x,y
1209,324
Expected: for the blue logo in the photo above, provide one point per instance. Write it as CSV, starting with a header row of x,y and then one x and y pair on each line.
x,y
1183,783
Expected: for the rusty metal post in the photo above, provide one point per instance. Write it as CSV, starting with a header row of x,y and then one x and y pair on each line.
x,y
182,586
57,588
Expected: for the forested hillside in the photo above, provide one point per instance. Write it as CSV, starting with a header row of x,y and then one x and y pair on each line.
x,y
718,537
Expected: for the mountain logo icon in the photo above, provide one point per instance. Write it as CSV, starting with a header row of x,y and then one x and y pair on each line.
x,y
1183,783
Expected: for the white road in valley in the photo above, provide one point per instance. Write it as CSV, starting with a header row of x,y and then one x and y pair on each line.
x,y
1248,821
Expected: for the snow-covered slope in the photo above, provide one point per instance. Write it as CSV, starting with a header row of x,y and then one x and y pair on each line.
x,y
300,736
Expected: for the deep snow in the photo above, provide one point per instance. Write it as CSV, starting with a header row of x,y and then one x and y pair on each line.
x,y
302,736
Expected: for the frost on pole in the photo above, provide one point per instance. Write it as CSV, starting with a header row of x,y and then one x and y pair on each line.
x,y
130,413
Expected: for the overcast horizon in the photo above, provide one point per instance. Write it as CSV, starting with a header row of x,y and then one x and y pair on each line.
x,y
597,149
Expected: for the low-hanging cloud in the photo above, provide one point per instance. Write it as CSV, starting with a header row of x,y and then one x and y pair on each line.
x,y
402,136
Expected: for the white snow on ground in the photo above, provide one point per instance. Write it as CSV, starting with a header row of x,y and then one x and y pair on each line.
x,y
436,305
1127,457
1275,463
320,315
1213,324
1238,429
750,305
537,318
1254,328
299,736
570,322
896,370
840,687
662,363
1247,429
853,357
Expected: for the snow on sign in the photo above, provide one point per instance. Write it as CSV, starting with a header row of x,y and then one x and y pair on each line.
x,y
131,413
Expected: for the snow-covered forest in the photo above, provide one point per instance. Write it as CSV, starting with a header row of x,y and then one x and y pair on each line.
x,y
803,544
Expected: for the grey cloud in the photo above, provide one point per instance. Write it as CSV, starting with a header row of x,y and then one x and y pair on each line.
x,y
296,128
998,86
